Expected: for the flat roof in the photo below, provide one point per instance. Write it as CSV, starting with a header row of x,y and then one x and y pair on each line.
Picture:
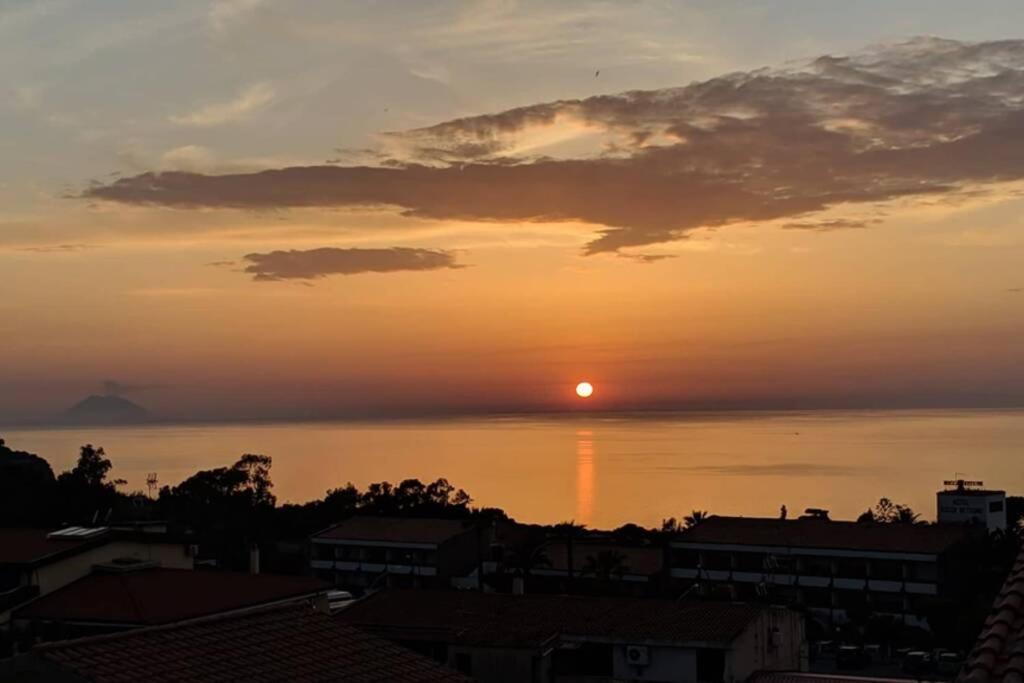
x,y
160,596
471,617
395,530
292,643
929,539
972,492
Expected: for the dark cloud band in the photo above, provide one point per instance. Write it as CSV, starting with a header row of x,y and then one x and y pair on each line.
x,y
317,263
928,117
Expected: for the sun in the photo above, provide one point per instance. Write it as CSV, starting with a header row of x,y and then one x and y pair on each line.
x,y
584,389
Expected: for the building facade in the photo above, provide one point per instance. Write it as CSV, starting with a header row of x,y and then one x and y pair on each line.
x,y
362,553
965,502
502,638
832,568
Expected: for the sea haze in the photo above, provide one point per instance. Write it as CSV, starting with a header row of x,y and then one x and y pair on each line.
x,y
600,471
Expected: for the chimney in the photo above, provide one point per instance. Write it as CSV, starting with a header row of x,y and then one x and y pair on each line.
x,y
254,559
518,585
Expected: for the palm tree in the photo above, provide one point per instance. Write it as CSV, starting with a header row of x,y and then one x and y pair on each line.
x,y
694,518
606,564
569,531
904,515
528,556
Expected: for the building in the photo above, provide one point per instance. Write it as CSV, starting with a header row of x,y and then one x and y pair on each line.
x,y
35,562
503,638
963,502
284,643
998,655
121,596
830,567
365,552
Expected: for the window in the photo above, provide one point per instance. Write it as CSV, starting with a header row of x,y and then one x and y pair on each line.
x,y
995,506
887,570
713,559
815,566
686,559
464,663
751,562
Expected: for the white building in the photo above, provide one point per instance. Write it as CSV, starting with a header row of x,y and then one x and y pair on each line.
x,y
965,501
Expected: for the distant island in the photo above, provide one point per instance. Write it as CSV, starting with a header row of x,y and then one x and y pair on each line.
x,y
108,409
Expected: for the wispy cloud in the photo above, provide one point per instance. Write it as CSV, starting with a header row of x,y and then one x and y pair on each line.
x,y
831,224
929,118
317,263
246,102
57,248
779,469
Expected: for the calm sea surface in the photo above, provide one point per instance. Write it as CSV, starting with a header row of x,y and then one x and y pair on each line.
x,y
601,471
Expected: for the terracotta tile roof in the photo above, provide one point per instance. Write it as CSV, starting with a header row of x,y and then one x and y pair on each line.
x,y
929,539
161,596
637,560
32,547
292,643
998,655
530,620
395,530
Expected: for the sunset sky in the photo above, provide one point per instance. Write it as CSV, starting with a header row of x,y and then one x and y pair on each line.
x,y
260,208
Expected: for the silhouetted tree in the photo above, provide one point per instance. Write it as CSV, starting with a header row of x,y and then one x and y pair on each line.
x,y
569,531
605,564
694,518
888,512
27,488
83,493
229,507
866,517
526,556
671,526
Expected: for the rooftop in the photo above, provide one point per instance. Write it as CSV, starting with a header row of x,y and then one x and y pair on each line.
x,y
927,539
161,596
972,492
32,546
471,617
394,530
293,643
998,655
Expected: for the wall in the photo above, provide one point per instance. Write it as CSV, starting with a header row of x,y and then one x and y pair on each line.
x,y
754,651
666,664
502,665
59,574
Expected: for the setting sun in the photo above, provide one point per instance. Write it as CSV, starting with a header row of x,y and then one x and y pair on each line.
x,y
584,389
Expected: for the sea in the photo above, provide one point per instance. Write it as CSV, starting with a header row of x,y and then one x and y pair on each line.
x,y
599,470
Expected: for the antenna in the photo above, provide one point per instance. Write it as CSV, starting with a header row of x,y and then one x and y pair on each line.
x,y
151,483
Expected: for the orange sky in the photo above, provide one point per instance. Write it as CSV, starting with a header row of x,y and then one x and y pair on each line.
x,y
833,231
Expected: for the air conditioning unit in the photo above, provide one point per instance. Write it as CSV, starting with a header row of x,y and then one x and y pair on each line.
x,y
638,655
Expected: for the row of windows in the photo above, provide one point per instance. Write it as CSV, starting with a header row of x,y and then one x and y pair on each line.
x,y
892,603
373,554
852,568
